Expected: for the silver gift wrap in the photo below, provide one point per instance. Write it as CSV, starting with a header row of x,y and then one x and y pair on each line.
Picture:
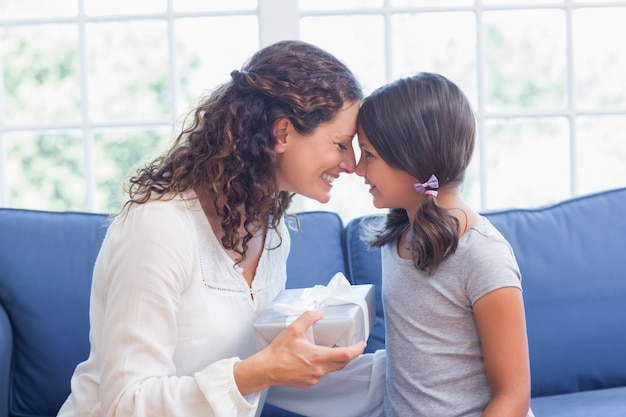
x,y
341,325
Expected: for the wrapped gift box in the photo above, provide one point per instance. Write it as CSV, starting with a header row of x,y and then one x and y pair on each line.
x,y
349,313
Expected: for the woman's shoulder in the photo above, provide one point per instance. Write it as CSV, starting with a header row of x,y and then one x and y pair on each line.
x,y
169,215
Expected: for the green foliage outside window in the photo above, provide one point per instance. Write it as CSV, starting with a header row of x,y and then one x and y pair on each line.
x,y
83,106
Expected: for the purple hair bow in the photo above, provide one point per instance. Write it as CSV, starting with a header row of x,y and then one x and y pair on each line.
x,y
429,187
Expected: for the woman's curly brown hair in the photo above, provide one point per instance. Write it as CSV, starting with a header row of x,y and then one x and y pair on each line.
x,y
226,146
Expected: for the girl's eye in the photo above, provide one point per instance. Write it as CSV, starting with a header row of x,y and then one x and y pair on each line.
x,y
368,154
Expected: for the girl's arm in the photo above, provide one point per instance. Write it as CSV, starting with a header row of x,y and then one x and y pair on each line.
x,y
501,325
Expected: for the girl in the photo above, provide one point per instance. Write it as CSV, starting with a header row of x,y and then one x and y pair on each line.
x,y
456,334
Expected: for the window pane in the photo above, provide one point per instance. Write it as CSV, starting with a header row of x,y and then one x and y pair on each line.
x,y
347,37
118,154
601,152
128,66
527,162
470,189
40,74
16,9
337,5
114,7
203,64
45,171
525,59
600,57
213,5
424,42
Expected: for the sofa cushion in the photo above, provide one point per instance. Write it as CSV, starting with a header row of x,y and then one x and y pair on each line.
x,y
571,256
598,403
45,279
49,258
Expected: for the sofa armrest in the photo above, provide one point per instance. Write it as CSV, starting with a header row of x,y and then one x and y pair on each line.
x,y
6,355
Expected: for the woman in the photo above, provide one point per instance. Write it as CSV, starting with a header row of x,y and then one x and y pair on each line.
x,y
201,246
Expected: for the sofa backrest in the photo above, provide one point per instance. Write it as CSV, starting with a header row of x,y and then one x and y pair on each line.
x,y
364,268
316,249
6,351
46,260
573,263
570,255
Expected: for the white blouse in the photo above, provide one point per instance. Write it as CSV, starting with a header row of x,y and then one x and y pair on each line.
x,y
170,314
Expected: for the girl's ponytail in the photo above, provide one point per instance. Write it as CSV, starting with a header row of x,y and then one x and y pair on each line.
x,y
435,235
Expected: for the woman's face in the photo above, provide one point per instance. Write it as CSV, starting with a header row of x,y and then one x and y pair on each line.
x,y
308,164
390,187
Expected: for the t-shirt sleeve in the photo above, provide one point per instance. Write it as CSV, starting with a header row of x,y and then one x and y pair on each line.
x,y
492,266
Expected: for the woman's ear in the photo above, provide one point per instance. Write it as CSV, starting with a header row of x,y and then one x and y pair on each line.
x,y
280,131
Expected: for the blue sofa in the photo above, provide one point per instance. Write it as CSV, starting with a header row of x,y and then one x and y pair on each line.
x,y
571,254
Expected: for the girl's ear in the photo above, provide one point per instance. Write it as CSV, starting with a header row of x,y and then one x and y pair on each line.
x,y
280,131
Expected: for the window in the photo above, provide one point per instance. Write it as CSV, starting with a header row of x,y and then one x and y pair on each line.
x,y
92,89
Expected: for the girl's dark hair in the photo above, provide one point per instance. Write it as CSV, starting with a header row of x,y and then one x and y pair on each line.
x,y
423,125
226,145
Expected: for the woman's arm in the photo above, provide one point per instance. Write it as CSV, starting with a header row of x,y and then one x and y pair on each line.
x,y
501,325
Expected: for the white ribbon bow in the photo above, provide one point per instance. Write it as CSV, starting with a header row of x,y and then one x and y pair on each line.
x,y
335,293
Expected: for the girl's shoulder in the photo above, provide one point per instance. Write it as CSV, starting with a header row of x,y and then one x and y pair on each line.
x,y
484,231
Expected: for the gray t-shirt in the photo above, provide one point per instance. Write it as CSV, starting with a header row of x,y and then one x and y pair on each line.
x,y
434,358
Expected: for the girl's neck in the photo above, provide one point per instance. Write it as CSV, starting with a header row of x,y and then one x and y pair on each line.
x,y
456,206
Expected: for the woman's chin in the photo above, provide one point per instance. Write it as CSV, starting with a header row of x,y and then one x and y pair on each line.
x,y
319,197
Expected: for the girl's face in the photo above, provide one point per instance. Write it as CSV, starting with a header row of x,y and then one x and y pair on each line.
x,y
308,164
390,187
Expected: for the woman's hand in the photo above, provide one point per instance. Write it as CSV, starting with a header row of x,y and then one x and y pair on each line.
x,y
292,360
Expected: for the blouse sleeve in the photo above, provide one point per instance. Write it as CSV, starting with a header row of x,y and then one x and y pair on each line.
x,y
356,390
141,272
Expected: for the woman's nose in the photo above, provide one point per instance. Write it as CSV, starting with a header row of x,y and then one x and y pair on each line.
x,y
360,168
348,164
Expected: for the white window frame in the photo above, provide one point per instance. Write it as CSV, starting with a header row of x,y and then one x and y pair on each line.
x,y
279,19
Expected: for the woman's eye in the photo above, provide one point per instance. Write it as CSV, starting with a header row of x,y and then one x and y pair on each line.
x,y
342,146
